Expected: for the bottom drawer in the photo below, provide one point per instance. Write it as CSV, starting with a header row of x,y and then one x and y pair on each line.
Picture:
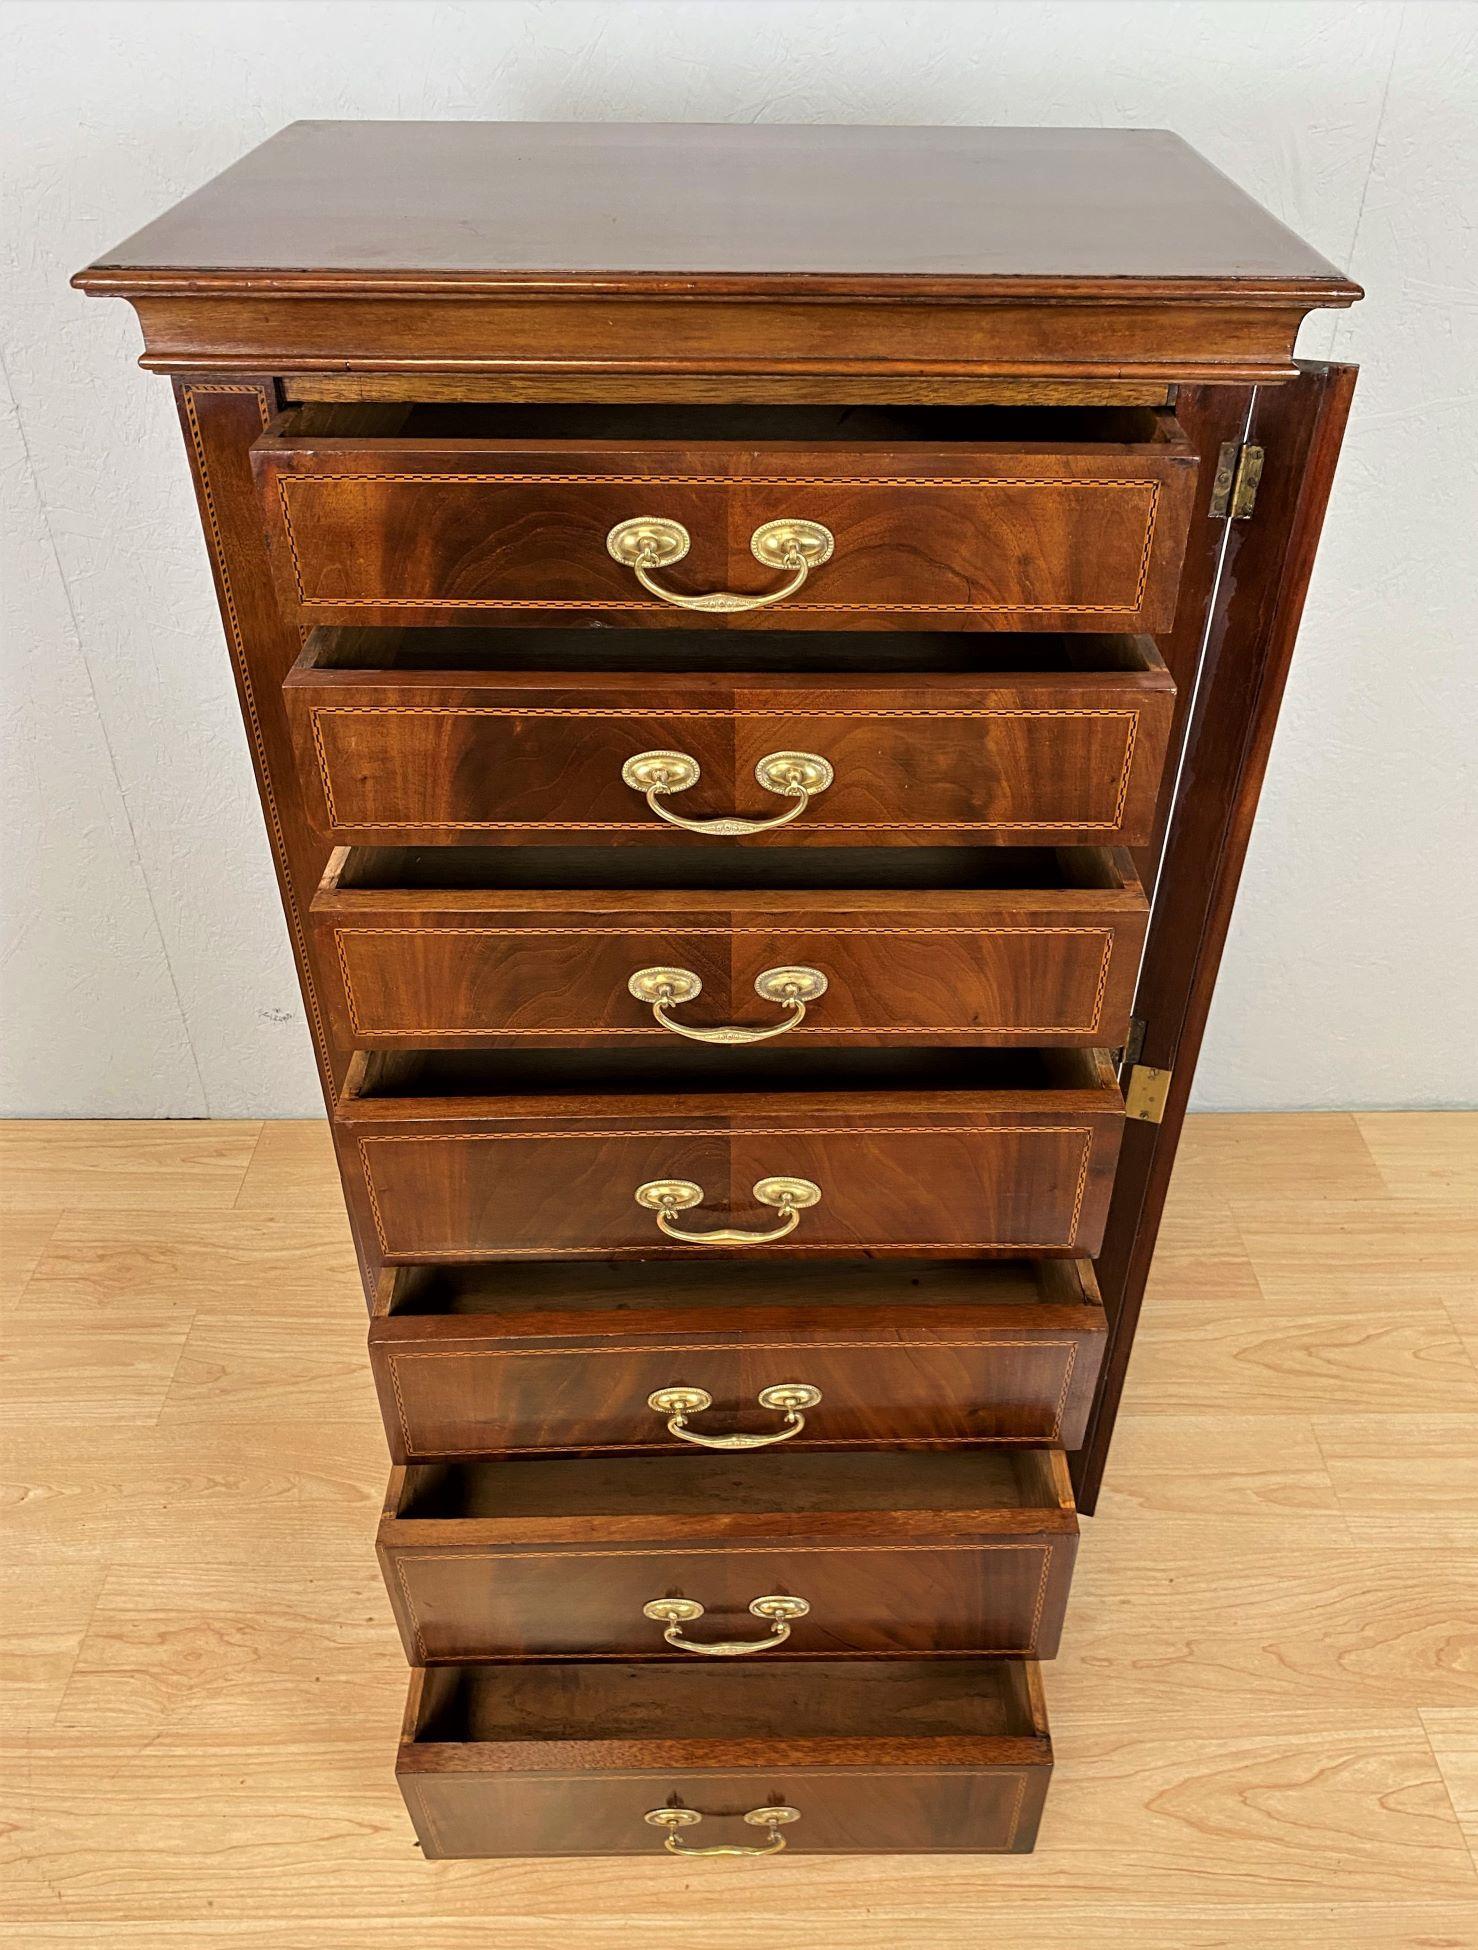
x,y
574,1759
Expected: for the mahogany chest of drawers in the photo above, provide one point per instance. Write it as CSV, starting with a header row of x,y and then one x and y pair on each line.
x,y
759,647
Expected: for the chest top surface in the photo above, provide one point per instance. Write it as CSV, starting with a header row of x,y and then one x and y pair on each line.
x,y
352,204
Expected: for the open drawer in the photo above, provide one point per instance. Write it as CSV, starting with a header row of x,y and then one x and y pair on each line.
x,y
623,1357
680,1150
473,736
451,947
734,1556
865,1757
819,517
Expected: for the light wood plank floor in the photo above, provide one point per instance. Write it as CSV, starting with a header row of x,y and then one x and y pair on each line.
x,y
1266,1711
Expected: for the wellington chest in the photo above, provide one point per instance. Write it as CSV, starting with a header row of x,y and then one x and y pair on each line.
x,y
759,647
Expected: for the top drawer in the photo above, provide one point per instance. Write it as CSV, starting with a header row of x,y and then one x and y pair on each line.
x,y
985,519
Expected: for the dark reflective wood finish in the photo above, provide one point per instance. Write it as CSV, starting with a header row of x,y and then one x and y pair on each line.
x,y
455,963
943,758
446,527
895,1553
550,1358
1023,1165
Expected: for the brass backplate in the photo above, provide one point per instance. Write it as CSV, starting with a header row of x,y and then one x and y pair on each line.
x,y
660,772
778,543
789,984
669,1195
779,1608
799,1192
791,1396
674,1817
783,771
652,539
672,1611
651,985
680,1401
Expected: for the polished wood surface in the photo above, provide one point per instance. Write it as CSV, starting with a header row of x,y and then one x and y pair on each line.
x,y
203,1681
458,1165
556,202
546,1358
480,754
484,515
420,954
895,1552
767,253
568,1759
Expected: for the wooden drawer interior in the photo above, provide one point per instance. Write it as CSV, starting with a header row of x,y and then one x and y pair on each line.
x,y
569,1758
704,1498
340,658
532,426
465,872
546,1300
462,1082
650,435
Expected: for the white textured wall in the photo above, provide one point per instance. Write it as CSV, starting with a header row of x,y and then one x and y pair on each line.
x,y
145,966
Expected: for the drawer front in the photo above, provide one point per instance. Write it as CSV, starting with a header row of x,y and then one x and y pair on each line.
x,y
949,1182
1076,761
420,974
892,1599
865,1810
396,531
890,1379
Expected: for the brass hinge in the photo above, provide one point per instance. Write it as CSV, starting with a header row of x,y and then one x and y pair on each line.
x,y
1238,471
1145,1092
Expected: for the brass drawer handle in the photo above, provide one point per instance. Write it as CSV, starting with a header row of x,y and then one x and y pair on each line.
x,y
673,1613
665,988
794,775
673,1819
648,542
789,1196
789,1397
